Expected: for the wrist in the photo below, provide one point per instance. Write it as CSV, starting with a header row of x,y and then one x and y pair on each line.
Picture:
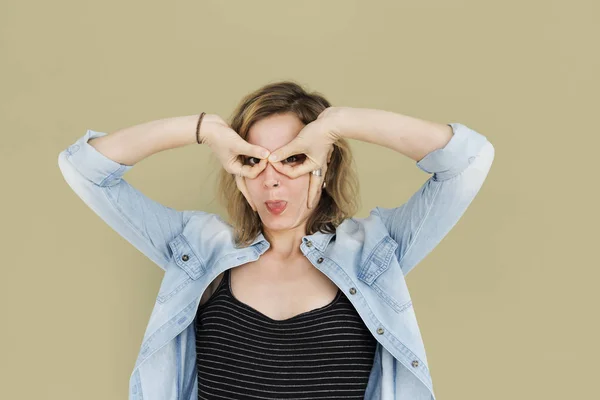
x,y
332,118
206,127
340,120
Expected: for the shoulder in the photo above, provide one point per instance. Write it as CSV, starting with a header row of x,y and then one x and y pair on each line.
x,y
208,233
369,225
369,232
207,218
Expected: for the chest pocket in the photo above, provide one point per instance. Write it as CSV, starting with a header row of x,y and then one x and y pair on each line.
x,y
383,274
185,266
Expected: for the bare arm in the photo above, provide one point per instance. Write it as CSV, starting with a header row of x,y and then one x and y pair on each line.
x,y
130,145
407,135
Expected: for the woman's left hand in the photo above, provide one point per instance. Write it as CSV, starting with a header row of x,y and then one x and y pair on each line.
x,y
315,141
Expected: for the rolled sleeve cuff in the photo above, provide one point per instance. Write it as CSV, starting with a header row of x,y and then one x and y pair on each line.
x,y
456,156
92,164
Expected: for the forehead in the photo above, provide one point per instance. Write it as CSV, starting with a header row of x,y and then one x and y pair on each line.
x,y
274,131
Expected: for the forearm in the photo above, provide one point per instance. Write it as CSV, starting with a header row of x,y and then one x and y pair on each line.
x,y
131,145
413,137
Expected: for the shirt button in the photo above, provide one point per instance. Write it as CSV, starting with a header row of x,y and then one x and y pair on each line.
x,y
309,243
380,331
185,257
415,363
320,260
352,290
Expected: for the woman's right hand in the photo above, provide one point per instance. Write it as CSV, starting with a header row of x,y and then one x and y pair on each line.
x,y
232,150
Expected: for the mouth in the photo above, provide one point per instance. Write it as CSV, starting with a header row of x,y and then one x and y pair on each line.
x,y
276,207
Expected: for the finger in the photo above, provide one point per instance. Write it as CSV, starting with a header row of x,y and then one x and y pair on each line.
x,y
280,167
248,171
329,155
252,150
252,171
241,184
317,186
312,190
283,168
296,146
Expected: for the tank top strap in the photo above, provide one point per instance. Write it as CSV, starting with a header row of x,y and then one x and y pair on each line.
x,y
222,286
225,281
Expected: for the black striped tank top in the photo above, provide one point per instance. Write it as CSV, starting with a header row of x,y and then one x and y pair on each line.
x,y
325,353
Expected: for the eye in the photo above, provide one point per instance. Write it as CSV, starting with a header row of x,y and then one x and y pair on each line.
x,y
247,160
290,160
297,157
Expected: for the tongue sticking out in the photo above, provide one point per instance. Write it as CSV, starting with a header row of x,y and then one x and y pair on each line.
x,y
276,207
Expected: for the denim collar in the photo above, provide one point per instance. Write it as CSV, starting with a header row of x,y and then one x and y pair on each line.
x,y
319,239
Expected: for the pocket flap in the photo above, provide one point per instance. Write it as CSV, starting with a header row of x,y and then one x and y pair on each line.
x,y
378,261
185,257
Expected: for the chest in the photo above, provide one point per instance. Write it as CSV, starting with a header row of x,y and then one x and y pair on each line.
x,y
279,290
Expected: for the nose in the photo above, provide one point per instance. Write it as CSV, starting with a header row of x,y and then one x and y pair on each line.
x,y
271,176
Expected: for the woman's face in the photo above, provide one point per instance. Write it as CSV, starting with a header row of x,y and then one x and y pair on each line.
x,y
272,133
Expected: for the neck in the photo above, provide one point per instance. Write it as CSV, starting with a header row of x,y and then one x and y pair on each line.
x,y
285,244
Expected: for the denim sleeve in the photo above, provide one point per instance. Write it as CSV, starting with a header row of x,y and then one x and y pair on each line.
x,y
459,170
98,180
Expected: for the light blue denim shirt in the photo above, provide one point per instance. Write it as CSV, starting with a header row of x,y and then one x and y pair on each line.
x,y
367,258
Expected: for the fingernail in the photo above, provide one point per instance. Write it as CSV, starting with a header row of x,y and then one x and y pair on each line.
x,y
265,154
273,157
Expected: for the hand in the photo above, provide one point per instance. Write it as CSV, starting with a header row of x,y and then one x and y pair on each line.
x,y
230,149
315,141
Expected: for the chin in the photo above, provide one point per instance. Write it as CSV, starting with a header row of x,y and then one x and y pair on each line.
x,y
273,221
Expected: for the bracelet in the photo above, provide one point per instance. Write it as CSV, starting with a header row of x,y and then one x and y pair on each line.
x,y
198,128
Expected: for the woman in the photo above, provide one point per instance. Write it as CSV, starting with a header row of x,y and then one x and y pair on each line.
x,y
293,297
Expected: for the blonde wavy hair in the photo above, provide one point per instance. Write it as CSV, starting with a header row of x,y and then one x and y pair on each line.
x,y
339,200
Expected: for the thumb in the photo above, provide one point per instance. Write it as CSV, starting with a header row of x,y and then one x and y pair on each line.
x,y
287,150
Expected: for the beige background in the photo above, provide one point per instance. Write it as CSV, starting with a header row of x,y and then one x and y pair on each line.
x,y
507,303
